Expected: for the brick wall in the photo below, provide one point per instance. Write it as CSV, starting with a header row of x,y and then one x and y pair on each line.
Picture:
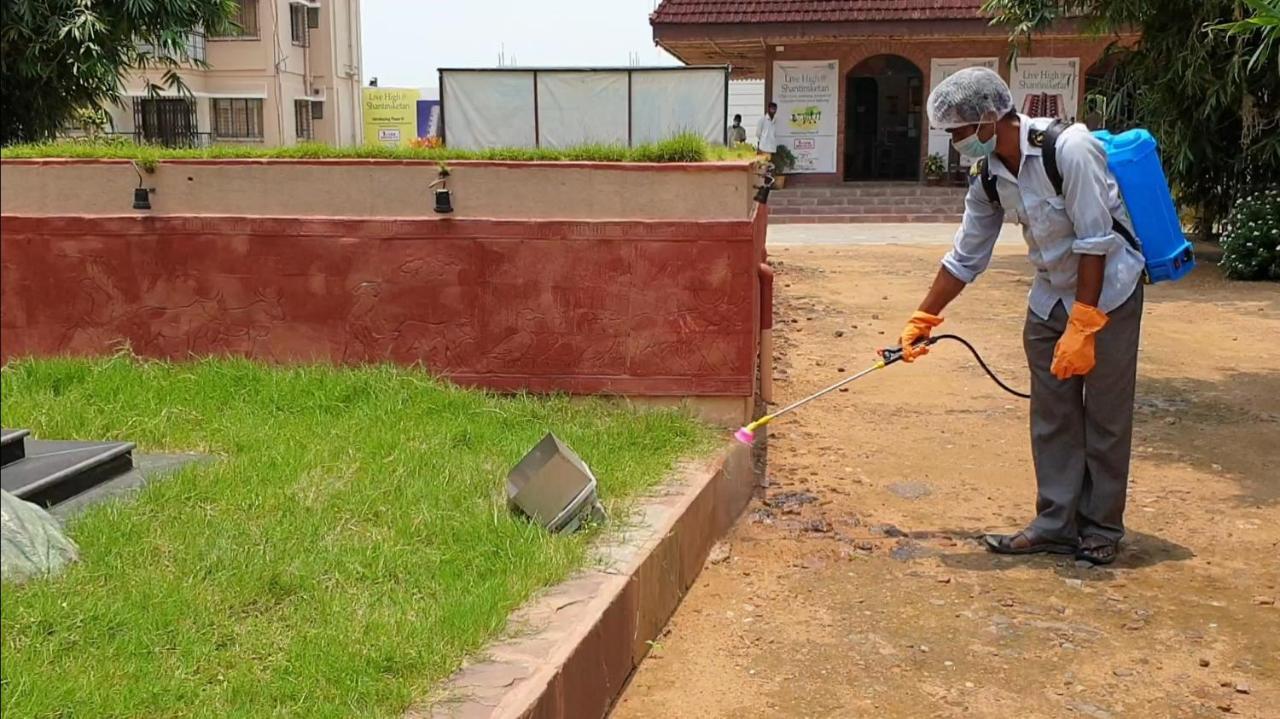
x,y
652,307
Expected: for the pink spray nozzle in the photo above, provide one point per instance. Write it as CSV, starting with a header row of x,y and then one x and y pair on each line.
x,y
745,436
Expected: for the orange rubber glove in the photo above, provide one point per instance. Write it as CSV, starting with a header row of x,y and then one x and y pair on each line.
x,y
1074,353
918,328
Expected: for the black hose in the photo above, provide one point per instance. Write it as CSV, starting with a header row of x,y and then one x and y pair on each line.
x,y
981,364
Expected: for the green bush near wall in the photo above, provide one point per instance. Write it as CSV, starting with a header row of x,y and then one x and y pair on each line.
x,y
681,148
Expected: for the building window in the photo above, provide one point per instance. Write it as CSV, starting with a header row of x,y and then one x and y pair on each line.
x,y
196,49
237,118
302,119
244,21
317,109
313,18
165,121
298,25
193,49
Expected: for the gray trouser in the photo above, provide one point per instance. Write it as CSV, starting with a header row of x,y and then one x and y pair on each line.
x,y
1081,428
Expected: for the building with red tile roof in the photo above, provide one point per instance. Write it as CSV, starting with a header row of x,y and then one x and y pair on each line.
x,y
852,75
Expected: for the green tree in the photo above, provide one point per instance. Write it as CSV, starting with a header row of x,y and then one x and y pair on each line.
x,y
1211,98
1265,23
58,57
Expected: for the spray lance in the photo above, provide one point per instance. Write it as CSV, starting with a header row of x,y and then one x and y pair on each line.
x,y
886,357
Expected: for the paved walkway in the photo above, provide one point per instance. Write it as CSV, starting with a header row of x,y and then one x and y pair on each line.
x,y
875,234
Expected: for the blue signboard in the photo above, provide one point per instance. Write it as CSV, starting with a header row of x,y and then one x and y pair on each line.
x,y
428,118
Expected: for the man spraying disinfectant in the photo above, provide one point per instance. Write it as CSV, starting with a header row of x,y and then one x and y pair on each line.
x,y
1082,326
1098,220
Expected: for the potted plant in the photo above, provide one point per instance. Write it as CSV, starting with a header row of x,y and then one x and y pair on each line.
x,y
783,162
934,169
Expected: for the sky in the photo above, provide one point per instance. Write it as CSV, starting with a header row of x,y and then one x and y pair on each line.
x,y
406,41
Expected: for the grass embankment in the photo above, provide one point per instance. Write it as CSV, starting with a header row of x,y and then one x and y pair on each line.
x,y
682,148
346,550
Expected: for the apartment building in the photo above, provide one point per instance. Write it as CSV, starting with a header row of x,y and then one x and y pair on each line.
x,y
290,73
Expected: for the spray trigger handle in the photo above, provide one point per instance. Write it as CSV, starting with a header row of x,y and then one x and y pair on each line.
x,y
889,355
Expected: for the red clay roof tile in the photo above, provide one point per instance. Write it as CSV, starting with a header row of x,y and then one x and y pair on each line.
x,y
777,11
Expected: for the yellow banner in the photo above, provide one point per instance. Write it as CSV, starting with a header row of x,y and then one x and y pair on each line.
x,y
390,115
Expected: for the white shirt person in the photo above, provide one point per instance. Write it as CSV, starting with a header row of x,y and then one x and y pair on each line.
x,y
766,133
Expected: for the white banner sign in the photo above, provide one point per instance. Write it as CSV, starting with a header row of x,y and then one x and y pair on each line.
x,y
665,103
485,109
1046,86
939,70
807,94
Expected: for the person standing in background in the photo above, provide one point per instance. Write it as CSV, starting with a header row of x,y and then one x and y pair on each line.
x,y
766,133
737,133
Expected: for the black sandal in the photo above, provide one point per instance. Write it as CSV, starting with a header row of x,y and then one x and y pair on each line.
x,y
1003,544
1097,550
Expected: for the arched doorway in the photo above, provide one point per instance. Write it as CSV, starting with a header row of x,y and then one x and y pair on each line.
x,y
883,111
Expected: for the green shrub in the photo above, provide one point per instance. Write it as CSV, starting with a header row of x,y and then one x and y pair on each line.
x,y
935,166
1251,240
681,148
783,160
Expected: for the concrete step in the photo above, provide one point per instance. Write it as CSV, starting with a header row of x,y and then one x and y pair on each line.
x,y
868,202
864,209
867,218
873,191
786,201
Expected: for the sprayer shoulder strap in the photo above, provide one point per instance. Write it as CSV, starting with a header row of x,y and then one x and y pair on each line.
x,y
988,181
1048,142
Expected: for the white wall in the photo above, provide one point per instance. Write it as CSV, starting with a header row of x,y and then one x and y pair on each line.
x,y
746,98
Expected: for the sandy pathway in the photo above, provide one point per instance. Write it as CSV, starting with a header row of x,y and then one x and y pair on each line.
x,y
873,600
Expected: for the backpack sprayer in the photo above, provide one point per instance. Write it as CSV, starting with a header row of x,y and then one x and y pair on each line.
x,y
887,356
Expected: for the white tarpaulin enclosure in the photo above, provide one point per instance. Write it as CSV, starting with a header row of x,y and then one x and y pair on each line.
x,y
564,107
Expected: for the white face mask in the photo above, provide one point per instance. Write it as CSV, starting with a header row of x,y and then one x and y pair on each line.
x,y
973,148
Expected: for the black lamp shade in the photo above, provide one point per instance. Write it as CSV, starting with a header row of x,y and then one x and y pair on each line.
x,y
444,201
141,199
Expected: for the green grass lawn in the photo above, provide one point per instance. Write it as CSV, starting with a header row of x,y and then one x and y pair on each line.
x,y
347,549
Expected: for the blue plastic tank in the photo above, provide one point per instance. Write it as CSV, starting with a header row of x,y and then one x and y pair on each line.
x,y
1133,159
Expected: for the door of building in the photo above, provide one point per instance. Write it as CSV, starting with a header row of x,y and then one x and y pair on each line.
x,y
166,121
883,120
862,128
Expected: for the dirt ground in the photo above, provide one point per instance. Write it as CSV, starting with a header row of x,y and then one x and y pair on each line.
x,y
875,600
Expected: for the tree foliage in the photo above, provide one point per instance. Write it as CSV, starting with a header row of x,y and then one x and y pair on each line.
x,y
58,57
1265,21
1200,79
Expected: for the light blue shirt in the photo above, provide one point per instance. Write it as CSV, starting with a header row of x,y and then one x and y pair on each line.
x,y
1058,229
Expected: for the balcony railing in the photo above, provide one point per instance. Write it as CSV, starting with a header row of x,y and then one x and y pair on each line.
x,y
195,49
